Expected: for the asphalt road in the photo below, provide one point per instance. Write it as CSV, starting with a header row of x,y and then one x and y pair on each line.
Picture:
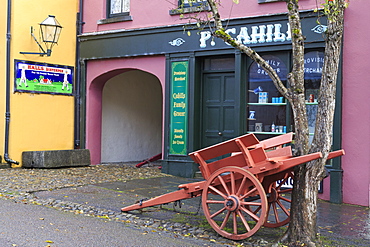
x,y
32,225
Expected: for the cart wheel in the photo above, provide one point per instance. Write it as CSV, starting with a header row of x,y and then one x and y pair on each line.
x,y
229,199
279,200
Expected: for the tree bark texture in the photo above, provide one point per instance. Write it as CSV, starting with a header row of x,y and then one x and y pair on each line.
x,y
302,228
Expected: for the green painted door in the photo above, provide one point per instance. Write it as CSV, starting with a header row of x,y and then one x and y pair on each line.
x,y
218,108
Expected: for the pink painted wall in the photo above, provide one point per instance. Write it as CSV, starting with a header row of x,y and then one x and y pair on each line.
x,y
356,110
99,72
326,191
156,13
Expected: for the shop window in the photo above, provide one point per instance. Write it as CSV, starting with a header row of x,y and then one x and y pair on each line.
x,y
313,62
268,112
117,11
190,6
266,106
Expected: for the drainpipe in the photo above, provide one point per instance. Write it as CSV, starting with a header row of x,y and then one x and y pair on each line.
x,y
77,86
7,96
77,134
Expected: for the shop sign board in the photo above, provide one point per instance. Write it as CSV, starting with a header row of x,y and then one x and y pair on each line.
x,y
255,32
179,108
33,77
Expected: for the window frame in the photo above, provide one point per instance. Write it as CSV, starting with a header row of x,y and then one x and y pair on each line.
x,y
188,5
110,15
201,5
113,18
270,1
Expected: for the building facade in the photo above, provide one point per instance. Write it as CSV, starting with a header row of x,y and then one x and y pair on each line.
x,y
148,87
39,114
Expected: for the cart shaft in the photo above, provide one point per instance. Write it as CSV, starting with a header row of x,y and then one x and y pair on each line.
x,y
174,196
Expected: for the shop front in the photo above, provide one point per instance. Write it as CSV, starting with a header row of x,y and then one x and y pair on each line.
x,y
212,92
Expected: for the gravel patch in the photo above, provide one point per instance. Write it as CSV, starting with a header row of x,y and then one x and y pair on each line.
x,y
31,180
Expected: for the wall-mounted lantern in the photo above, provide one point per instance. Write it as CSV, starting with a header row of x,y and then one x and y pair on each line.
x,y
49,31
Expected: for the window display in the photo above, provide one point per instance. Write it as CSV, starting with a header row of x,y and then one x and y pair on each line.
x,y
267,110
266,106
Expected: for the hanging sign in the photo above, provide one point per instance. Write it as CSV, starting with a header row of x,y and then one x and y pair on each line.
x,y
178,108
32,77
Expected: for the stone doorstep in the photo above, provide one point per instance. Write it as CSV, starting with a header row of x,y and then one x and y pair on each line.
x,y
56,158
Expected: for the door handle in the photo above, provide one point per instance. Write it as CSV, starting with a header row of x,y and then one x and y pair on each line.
x,y
220,133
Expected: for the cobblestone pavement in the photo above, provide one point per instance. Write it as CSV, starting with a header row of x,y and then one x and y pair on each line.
x,y
55,188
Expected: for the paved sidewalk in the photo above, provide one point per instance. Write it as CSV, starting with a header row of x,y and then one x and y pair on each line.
x,y
340,225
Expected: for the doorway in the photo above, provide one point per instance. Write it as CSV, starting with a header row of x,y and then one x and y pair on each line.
x,y
131,117
218,101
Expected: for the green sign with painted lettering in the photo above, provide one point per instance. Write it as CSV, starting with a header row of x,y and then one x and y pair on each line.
x,y
179,108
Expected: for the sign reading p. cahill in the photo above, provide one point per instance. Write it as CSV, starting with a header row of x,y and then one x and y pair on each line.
x,y
178,108
32,77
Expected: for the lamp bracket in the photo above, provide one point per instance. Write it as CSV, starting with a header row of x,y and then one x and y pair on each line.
x,y
42,49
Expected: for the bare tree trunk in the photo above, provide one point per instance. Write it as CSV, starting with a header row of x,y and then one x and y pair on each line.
x,y
302,228
296,80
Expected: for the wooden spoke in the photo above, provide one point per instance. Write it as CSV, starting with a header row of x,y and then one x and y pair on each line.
x,y
285,199
253,215
283,208
282,182
224,222
235,223
276,214
244,222
242,185
218,212
224,186
251,203
218,192
232,181
214,201
249,193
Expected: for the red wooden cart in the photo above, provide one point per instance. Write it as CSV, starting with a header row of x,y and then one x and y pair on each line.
x,y
244,190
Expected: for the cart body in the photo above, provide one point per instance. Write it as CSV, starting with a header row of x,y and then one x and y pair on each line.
x,y
243,187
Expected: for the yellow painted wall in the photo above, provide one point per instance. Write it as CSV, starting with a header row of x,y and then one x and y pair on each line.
x,y
41,121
